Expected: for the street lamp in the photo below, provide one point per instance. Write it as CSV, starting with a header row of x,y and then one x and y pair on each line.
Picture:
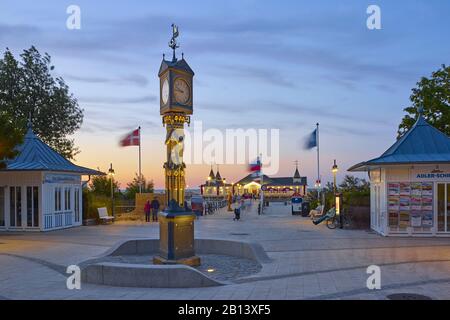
x,y
334,169
111,174
337,196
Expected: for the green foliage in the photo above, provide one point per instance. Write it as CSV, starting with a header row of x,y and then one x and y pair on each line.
x,y
27,88
133,187
92,201
355,192
10,136
354,184
101,186
434,95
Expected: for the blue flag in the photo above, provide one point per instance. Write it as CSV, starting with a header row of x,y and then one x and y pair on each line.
x,y
311,140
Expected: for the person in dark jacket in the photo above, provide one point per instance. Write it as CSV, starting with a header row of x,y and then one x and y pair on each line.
x,y
147,211
155,209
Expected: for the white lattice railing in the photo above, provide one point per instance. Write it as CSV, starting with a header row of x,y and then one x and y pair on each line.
x,y
58,220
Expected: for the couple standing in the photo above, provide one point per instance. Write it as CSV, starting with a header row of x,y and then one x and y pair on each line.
x,y
154,208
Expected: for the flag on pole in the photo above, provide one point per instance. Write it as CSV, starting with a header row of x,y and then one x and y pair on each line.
x,y
311,140
131,139
254,166
134,139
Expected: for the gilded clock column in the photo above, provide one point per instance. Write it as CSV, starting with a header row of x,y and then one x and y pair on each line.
x,y
176,222
174,167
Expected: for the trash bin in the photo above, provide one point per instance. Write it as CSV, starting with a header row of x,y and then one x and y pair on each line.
x,y
306,208
296,203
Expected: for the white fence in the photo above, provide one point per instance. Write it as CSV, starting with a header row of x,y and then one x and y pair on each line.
x,y
58,220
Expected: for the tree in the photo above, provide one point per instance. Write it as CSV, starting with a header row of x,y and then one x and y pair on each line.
x,y
433,94
10,136
101,185
133,187
328,187
354,184
27,88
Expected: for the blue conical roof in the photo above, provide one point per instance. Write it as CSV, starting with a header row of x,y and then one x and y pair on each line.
x,y
423,143
35,155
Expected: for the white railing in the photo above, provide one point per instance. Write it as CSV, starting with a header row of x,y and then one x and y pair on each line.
x,y
48,221
58,220
68,218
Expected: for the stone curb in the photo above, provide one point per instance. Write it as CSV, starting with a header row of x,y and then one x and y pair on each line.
x,y
163,276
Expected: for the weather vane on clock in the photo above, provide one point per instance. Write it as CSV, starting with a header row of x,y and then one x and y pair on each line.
x,y
173,42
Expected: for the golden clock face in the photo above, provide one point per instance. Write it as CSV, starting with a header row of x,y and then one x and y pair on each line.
x,y
181,91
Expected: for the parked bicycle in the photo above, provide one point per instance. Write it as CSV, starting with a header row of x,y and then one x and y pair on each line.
x,y
335,221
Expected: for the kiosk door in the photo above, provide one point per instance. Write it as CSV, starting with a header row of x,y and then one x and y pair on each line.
x,y
443,207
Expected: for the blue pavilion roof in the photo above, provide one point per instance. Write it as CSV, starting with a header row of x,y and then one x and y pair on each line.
x,y
422,144
35,155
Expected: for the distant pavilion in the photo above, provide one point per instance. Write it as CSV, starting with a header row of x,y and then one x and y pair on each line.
x,y
273,187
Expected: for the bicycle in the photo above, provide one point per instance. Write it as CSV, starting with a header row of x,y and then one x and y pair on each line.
x,y
335,221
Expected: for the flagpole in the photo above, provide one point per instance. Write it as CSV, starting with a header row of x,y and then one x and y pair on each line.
x,y
262,177
140,167
318,164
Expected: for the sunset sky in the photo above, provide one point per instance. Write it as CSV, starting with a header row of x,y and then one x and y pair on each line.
x,y
258,64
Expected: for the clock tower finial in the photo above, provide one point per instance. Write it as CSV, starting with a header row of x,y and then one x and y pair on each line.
x,y
173,42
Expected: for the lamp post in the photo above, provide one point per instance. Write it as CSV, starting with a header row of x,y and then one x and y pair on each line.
x,y
318,185
111,176
334,169
337,196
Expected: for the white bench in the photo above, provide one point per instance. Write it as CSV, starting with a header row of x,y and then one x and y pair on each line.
x,y
103,215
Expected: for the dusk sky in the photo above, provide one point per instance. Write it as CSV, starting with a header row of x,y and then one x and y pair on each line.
x,y
258,64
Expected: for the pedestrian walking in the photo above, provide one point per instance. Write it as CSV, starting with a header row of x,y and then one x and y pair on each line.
x,y
155,209
237,211
147,211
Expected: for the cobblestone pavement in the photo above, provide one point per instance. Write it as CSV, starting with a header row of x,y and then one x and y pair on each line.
x,y
309,262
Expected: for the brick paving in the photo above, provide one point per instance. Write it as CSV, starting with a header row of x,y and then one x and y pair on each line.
x,y
308,262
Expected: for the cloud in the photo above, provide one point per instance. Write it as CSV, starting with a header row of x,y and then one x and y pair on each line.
x,y
18,31
267,75
288,42
101,125
118,100
131,79
294,110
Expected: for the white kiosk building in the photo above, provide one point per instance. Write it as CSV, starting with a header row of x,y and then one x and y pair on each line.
x,y
410,184
40,190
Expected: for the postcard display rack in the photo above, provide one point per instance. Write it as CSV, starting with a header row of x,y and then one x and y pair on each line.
x,y
410,204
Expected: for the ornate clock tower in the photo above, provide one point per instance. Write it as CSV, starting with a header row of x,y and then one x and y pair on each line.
x,y
176,105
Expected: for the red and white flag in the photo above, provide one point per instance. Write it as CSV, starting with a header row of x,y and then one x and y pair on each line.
x,y
131,139
254,166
